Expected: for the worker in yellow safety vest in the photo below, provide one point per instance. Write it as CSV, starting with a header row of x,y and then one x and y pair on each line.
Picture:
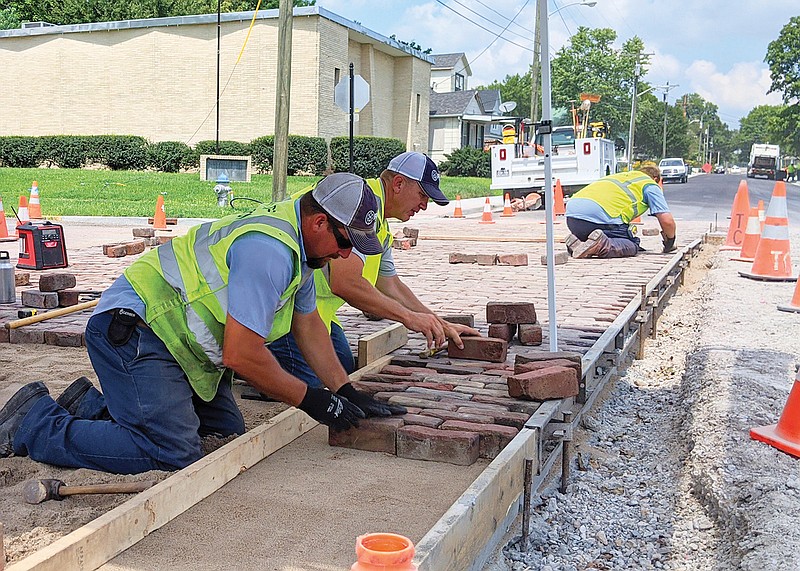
x,y
600,215
370,282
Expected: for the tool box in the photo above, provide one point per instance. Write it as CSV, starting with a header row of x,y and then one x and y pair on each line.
x,y
41,246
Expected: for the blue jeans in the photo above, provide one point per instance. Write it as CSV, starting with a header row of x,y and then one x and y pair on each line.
x,y
157,419
623,243
292,361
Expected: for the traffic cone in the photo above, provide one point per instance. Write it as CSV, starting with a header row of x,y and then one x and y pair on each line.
x,y
794,305
785,435
773,261
22,213
751,237
559,209
507,207
739,212
486,218
762,216
458,213
160,217
637,220
4,235
34,208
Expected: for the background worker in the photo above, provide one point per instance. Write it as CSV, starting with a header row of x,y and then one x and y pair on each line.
x,y
168,335
370,282
599,215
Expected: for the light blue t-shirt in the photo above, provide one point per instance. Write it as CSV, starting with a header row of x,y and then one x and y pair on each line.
x,y
589,210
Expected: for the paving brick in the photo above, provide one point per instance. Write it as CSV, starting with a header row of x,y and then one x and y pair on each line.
x,y
451,446
461,319
64,338
547,356
404,400
381,378
401,243
27,334
449,369
164,239
466,416
39,299
536,365
497,386
422,420
22,279
548,383
486,259
434,386
479,349
4,335
56,282
485,392
408,361
458,258
372,388
438,395
512,260
372,434
68,297
559,258
493,437
403,371
530,334
650,231
503,331
485,408
411,232
510,403
506,418
135,247
510,312
115,250
144,232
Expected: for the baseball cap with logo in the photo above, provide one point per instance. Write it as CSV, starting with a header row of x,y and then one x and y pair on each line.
x,y
351,202
421,168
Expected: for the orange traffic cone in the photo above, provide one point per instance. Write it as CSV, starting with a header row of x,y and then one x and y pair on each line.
x,y
559,209
739,212
507,207
751,237
762,216
160,217
637,220
794,305
486,218
34,208
458,213
4,235
785,435
773,261
22,214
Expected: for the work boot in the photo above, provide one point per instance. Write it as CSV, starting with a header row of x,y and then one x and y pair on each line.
x,y
571,242
594,244
72,396
82,400
14,411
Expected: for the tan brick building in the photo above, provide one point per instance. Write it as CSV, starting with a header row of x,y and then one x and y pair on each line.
x,y
157,78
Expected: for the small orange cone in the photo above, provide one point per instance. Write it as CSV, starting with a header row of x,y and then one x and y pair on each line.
x,y
4,235
794,305
751,237
458,213
160,217
507,207
22,213
785,435
762,216
35,208
773,261
739,212
486,217
559,209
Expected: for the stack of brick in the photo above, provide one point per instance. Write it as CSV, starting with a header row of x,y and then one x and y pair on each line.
x,y
457,412
406,239
55,290
507,319
489,259
545,376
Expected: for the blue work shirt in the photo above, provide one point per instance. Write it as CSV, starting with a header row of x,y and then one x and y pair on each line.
x,y
589,210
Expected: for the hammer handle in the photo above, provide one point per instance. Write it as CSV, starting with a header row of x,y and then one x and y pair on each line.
x,y
112,488
50,314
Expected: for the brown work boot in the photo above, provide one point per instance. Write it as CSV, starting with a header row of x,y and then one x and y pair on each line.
x,y
594,244
571,242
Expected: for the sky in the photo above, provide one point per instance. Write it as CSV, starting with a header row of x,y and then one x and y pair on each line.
x,y
714,48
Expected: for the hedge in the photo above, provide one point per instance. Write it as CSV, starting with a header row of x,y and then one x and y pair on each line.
x,y
371,155
306,154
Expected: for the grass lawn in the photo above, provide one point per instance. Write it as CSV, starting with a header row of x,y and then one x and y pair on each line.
x,y
82,192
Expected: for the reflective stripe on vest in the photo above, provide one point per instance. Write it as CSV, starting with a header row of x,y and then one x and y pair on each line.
x,y
627,204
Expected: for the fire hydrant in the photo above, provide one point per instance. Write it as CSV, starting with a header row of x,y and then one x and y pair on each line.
x,y
223,190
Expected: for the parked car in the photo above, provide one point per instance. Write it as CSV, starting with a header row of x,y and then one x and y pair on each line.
x,y
673,169
719,169
735,169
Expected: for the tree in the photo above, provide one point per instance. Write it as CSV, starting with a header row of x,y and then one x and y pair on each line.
x,y
783,58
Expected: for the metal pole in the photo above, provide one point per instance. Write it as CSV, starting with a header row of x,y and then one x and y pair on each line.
x,y
633,115
280,154
352,112
536,70
666,108
526,501
541,7
219,26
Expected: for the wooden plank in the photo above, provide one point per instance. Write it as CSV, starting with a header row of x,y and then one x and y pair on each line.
x,y
372,347
483,510
519,239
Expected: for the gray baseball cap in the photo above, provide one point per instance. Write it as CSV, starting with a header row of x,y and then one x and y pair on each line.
x,y
421,168
348,199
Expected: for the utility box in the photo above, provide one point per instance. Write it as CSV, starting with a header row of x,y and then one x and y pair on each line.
x,y
236,168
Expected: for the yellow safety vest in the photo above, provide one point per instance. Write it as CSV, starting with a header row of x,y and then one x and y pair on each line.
x,y
620,195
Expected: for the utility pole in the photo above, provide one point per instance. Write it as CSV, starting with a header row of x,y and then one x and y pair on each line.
x,y
667,87
536,70
280,154
219,27
636,72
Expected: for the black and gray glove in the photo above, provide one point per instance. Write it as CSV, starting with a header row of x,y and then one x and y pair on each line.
x,y
328,408
369,405
669,243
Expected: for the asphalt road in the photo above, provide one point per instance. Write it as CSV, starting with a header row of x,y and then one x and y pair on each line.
x,y
709,197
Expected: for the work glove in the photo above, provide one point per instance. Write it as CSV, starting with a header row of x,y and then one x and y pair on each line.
x,y
669,243
369,405
330,409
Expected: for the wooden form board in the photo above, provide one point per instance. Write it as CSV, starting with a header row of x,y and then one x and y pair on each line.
x,y
520,239
372,347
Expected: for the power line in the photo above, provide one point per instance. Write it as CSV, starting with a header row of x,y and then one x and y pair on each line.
x,y
498,36
483,27
530,32
492,22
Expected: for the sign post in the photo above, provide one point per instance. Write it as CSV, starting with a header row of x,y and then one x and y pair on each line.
x,y
351,95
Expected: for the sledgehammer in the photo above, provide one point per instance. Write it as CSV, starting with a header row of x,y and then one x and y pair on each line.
x,y
38,491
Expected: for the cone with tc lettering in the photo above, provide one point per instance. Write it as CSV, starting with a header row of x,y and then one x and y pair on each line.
x,y
752,235
559,208
739,213
773,261
35,208
507,207
458,213
160,217
4,235
486,217
785,435
762,215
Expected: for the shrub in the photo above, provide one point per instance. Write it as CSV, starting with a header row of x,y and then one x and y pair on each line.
x,y
66,151
235,148
20,152
371,155
261,152
169,156
121,152
306,154
467,161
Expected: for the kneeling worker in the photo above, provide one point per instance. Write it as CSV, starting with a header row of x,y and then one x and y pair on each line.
x,y
599,215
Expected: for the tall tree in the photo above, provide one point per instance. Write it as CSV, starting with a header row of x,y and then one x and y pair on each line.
x,y
783,58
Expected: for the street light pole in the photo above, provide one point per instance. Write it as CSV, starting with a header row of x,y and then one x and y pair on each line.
x,y
666,88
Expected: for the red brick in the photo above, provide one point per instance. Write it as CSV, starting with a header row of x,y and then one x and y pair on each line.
x,y
475,391
4,335
437,395
512,404
512,260
506,418
493,437
504,331
510,312
164,239
403,371
447,369
486,259
547,383
452,446
546,356
22,279
463,416
135,247
559,258
433,386
39,299
27,334
68,297
115,250
404,400
408,361
64,338
372,388
458,258
530,334
56,282
421,420
372,434
536,365
480,349
401,243
411,232
483,407
381,378
144,232
468,320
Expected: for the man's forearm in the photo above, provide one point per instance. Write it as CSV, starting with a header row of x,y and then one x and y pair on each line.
x,y
368,298
394,288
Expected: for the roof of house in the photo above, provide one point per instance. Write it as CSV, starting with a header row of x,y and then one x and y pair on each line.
x,y
450,61
489,100
450,103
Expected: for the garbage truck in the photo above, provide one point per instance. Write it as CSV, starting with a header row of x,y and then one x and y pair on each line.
x,y
765,160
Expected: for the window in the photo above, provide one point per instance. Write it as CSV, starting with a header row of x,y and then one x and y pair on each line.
x,y
459,82
337,75
419,105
